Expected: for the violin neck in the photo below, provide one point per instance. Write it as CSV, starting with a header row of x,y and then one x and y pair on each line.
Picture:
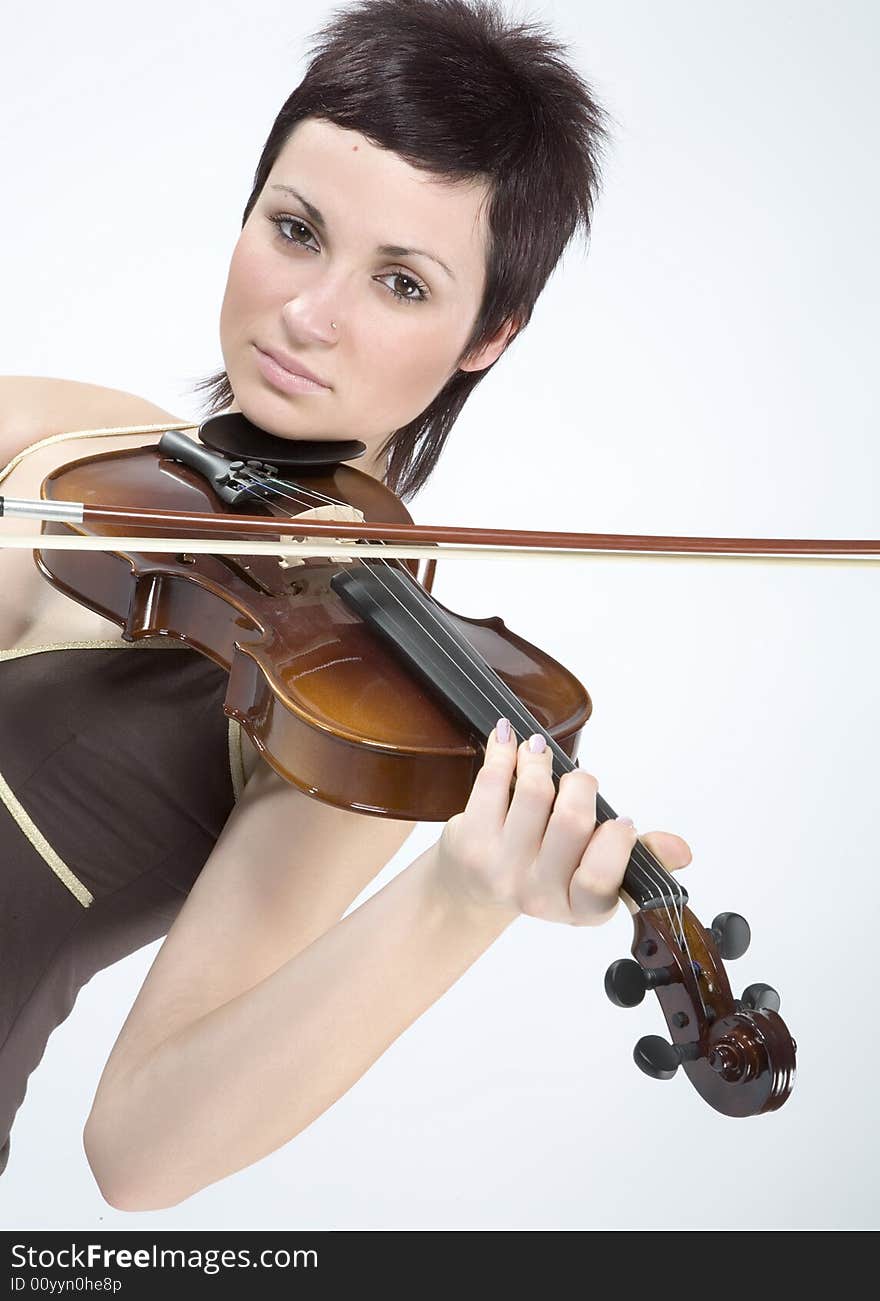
x,y
387,597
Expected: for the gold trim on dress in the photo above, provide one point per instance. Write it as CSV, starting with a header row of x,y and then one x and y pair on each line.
x,y
79,891
236,758
150,642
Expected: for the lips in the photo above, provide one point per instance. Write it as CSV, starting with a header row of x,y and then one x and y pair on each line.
x,y
293,365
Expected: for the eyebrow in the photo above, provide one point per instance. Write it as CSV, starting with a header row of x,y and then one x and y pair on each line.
x,y
390,250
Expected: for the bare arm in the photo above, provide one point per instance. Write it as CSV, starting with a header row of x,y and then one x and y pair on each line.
x,y
243,1080
241,1036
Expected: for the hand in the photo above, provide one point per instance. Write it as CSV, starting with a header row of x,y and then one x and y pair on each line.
x,y
541,852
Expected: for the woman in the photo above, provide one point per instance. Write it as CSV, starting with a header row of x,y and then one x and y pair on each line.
x,y
436,123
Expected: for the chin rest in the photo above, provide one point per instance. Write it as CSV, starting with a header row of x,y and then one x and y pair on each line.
x,y
236,436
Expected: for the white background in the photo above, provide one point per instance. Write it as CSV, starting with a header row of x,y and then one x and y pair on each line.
x,y
704,370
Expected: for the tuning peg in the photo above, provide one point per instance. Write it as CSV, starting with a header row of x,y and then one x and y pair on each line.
x,y
760,997
660,1059
732,934
626,981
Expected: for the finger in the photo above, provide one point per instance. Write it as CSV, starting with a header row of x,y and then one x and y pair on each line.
x,y
490,794
572,823
673,852
532,802
594,891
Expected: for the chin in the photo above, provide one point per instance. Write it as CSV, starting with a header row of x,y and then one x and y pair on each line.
x,y
260,413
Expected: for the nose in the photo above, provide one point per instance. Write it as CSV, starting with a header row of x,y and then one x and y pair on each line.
x,y
309,315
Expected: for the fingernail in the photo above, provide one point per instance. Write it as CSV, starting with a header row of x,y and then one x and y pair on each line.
x,y
537,743
502,729
628,821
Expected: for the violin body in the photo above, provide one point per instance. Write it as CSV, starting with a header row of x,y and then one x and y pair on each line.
x,y
312,684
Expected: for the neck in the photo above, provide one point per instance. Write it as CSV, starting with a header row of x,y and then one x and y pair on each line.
x,y
374,466
436,648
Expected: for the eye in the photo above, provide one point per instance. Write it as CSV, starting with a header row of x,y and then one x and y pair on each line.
x,y
422,291
281,220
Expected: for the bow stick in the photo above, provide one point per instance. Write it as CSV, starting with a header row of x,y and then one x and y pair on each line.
x,y
434,540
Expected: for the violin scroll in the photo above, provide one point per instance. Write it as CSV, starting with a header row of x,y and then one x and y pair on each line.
x,y
737,1053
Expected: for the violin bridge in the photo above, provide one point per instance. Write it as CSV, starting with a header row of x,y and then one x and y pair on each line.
x,y
288,562
333,511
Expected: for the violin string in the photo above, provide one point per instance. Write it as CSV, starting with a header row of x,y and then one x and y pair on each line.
x,y
647,876
642,867
638,855
273,486
528,723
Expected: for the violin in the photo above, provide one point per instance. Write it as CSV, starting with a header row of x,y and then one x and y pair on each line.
x,y
363,690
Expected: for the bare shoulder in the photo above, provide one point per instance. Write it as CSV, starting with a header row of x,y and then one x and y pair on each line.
x,y
285,868
34,412
35,406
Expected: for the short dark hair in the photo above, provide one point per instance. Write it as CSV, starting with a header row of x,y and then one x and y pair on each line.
x,y
457,90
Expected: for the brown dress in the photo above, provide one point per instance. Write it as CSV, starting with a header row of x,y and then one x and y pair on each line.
x,y
118,770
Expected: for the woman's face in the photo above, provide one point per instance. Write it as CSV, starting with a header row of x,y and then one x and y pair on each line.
x,y
402,319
